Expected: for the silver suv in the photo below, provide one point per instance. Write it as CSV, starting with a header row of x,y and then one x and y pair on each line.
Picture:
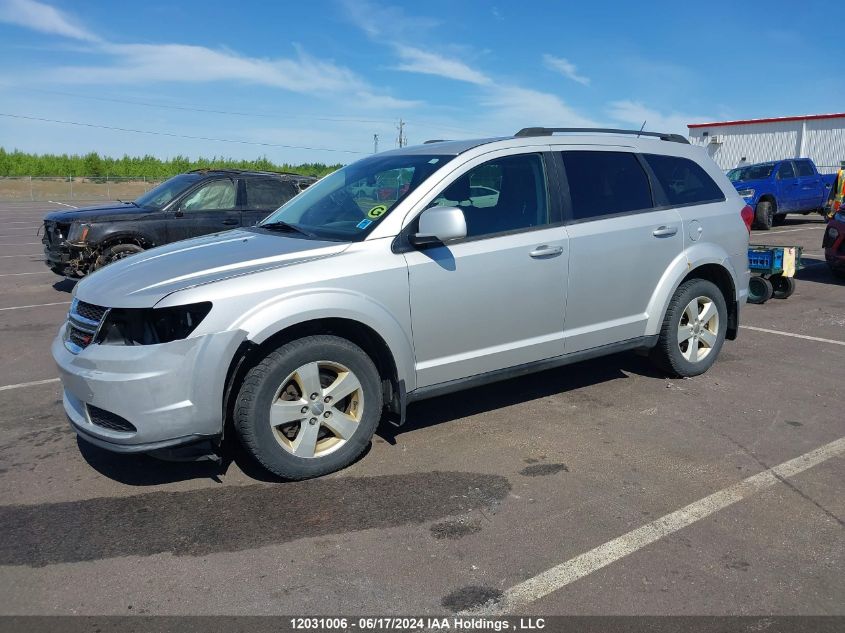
x,y
405,275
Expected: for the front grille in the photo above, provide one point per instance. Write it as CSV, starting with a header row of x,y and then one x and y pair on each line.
x,y
109,420
90,311
55,233
83,321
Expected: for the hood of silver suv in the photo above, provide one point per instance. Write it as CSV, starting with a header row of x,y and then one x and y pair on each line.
x,y
144,279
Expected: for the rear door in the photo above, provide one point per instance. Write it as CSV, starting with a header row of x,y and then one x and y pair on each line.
x,y
263,196
789,191
620,246
210,207
810,185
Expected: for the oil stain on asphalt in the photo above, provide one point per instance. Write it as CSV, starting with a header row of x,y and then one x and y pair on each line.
x,y
200,522
539,470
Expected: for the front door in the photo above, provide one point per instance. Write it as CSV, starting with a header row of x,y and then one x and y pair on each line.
x,y
210,208
620,247
497,298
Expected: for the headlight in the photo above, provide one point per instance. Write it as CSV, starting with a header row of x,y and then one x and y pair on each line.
x,y
149,326
78,233
746,193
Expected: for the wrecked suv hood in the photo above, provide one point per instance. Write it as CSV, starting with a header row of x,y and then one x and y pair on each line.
x,y
144,279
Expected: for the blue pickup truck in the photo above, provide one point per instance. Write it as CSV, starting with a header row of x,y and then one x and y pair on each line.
x,y
779,187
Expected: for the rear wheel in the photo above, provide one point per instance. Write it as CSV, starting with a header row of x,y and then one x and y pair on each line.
x,y
759,290
693,329
310,407
765,215
782,287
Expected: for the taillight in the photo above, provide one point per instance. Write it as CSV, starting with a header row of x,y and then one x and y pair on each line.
x,y
747,214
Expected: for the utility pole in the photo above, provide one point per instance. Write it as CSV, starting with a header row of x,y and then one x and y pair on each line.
x,y
402,140
375,143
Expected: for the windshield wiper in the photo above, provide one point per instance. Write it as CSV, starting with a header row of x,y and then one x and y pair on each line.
x,y
287,227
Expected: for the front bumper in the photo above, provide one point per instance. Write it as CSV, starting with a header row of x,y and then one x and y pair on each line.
x,y
171,393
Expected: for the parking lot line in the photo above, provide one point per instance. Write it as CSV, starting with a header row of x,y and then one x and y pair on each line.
x,y
43,272
37,305
805,228
566,573
28,384
63,204
804,336
26,255
19,243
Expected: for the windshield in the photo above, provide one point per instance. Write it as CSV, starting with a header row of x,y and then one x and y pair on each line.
x,y
158,197
347,204
752,172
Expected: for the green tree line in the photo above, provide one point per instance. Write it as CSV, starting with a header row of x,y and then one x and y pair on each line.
x,y
18,163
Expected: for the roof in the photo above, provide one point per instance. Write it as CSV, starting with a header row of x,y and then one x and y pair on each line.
x,y
247,172
806,117
448,148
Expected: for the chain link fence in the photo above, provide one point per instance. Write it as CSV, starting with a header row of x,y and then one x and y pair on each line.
x,y
22,188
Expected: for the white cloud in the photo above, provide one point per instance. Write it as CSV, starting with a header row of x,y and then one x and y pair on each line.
x,y
44,18
635,112
515,107
376,20
565,68
416,60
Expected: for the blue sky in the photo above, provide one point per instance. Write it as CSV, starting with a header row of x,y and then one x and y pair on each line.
x,y
328,74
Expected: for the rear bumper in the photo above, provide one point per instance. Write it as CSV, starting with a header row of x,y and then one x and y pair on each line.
x,y
169,394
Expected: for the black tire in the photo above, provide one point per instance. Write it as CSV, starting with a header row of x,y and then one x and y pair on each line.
x,y
782,287
252,408
118,251
759,290
667,354
765,215
779,219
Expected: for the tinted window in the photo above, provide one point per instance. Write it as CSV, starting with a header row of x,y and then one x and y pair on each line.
x,y
603,183
505,194
158,197
804,168
786,171
683,180
213,196
268,194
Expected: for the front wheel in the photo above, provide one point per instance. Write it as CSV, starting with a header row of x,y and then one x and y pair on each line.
x,y
116,252
693,329
765,215
310,407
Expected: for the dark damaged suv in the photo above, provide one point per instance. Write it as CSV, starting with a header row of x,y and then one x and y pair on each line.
x,y
204,201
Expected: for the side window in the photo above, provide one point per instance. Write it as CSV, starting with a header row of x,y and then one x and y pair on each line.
x,y
505,194
786,171
268,194
683,180
605,183
804,168
217,195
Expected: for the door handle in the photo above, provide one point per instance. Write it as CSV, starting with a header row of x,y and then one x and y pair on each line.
x,y
230,222
546,251
664,231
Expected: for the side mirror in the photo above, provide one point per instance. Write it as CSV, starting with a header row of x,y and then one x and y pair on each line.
x,y
439,225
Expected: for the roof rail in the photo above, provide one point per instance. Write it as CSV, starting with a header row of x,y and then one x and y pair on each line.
x,y
548,131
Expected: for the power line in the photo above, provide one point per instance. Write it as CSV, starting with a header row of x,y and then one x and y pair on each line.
x,y
174,135
190,108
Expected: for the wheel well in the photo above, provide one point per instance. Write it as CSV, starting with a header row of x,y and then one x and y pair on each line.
x,y
720,276
249,354
769,198
137,240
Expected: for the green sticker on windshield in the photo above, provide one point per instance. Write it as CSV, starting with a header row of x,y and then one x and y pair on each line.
x,y
377,211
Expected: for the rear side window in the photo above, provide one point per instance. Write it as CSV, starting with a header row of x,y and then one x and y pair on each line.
x,y
268,194
683,180
804,168
605,183
786,171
